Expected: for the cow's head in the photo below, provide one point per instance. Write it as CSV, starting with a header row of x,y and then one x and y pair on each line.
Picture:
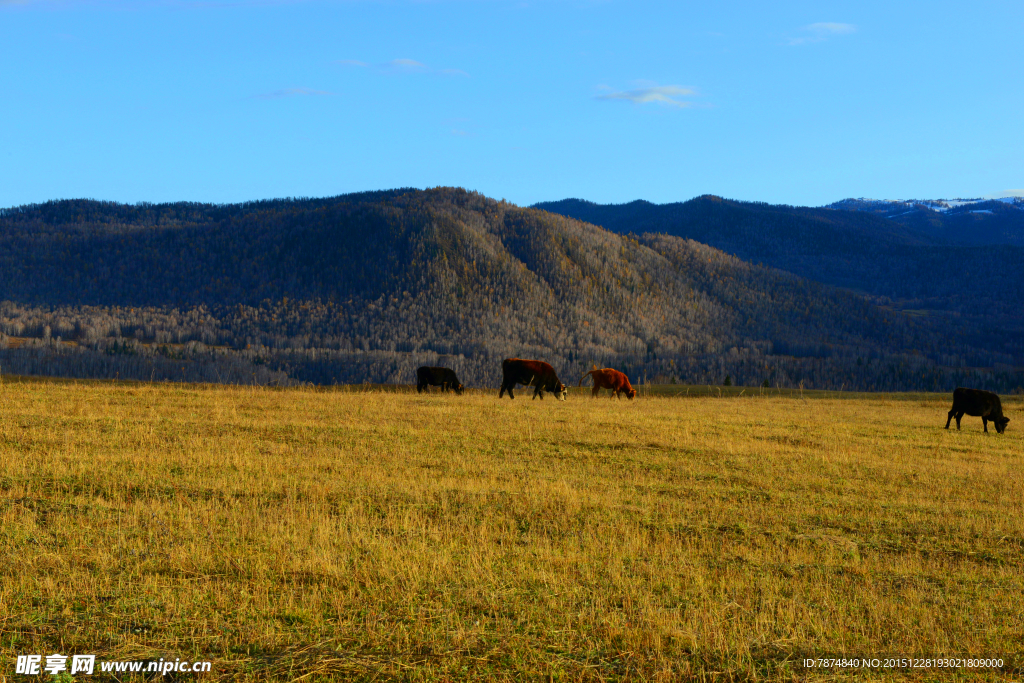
x,y
560,391
1001,423
631,394
459,389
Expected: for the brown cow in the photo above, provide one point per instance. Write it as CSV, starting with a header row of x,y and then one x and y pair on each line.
x,y
610,379
437,377
978,403
531,373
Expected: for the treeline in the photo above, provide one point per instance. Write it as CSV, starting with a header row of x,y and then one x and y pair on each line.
x,y
122,358
365,288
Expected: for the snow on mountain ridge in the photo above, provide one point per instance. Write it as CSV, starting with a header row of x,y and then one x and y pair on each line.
x,y
890,206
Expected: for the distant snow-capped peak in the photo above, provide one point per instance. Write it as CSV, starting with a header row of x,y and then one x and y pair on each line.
x,y
894,207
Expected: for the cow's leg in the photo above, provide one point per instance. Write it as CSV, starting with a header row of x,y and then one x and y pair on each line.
x,y
419,388
538,392
958,416
948,418
502,392
984,422
595,392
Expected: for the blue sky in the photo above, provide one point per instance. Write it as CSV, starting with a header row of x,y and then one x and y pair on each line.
x,y
786,102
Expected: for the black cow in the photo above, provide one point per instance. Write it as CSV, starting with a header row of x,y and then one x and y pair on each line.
x,y
535,373
437,377
977,403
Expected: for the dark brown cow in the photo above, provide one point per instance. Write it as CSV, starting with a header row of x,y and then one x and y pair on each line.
x,y
437,377
610,379
531,373
978,403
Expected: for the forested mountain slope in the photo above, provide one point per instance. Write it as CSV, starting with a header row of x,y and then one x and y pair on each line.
x,y
971,291
367,287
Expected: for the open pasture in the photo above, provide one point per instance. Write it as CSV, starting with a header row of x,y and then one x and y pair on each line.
x,y
372,535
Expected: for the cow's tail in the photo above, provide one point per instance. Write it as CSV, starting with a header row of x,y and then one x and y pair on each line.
x,y
586,376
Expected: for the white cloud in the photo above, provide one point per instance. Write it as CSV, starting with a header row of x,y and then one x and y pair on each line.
x,y
1005,193
406,64
665,95
822,31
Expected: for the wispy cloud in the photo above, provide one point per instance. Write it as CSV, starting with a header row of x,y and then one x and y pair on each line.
x,y
665,95
462,127
407,64
400,66
822,31
1005,193
290,92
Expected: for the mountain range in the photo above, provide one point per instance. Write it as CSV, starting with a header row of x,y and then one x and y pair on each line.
x,y
366,287
956,272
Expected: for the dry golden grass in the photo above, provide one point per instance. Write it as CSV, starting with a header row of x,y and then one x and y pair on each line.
x,y
394,536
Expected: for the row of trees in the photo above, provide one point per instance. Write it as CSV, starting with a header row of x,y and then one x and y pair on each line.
x,y
196,362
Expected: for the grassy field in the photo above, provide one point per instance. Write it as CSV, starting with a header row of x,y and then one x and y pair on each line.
x,y
380,535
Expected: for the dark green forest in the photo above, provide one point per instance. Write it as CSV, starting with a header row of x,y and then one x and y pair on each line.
x,y
366,287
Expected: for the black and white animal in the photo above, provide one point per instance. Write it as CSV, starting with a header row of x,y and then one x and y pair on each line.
x,y
978,403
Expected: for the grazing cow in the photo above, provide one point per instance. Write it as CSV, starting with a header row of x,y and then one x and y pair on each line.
x,y
610,379
977,403
437,377
531,373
